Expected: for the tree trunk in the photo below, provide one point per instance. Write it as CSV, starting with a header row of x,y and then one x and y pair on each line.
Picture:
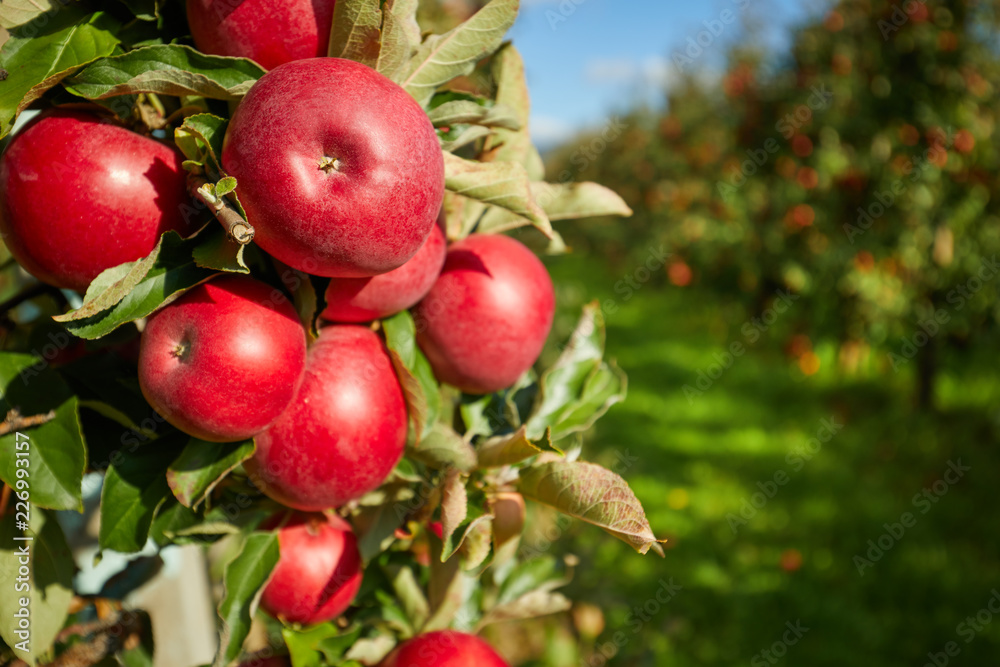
x,y
926,374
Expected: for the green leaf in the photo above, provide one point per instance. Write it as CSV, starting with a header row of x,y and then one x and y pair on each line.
x,y
505,450
512,92
134,487
172,272
225,186
44,52
57,455
171,517
202,465
18,12
444,449
469,135
593,494
454,504
502,184
245,577
441,58
307,647
529,605
169,69
567,201
218,252
376,527
304,298
467,112
410,594
474,517
50,580
200,138
356,33
478,544
369,650
112,285
400,36
423,396
580,387
144,10
535,574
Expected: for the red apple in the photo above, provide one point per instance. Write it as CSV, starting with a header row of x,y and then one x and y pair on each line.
x,y
79,195
345,430
339,169
222,362
319,570
445,648
486,319
367,299
271,32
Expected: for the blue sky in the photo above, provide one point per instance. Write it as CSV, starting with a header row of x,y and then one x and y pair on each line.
x,y
588,59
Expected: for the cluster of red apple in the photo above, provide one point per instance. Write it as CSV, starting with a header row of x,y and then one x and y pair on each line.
x,y
341,175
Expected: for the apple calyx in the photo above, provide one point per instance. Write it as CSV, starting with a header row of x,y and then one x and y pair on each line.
x,y
238,229
328,164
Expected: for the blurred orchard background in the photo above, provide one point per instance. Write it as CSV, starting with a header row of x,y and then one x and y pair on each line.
x,y
805,302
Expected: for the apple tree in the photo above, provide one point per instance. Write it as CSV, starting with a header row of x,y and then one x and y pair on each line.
x,y
273,309
855,173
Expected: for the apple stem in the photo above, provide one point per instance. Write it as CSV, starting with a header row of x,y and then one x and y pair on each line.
x,y
238,229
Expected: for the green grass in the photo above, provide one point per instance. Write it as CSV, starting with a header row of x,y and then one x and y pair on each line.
x,y
697,460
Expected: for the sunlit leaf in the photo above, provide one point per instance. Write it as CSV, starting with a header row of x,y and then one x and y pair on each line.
x,y
593,494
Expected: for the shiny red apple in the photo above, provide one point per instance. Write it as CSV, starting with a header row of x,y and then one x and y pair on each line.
x,y
271,32
445,648
367,299
222,362
345,430
318,572
339,169
79,195
486,319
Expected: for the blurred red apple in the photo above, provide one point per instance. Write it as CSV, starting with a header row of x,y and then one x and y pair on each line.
x,y
319,570
445,648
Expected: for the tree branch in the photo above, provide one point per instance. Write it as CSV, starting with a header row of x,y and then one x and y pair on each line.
x,y
15,422
238,229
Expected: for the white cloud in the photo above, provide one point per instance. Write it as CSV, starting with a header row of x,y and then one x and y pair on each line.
x,y
547,131
651,71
